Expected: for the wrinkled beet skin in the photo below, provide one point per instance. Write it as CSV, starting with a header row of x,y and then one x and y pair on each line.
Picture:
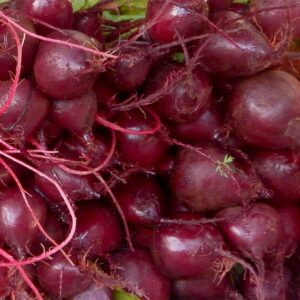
x,y
17,226
77,115
98,230
137,270
185,99
141,200
276,22
280,172
257,102
8,53
142,150
75,186
57,13
250,54
61,71
61,279
130,69
199,186
184,18
254,231
186,250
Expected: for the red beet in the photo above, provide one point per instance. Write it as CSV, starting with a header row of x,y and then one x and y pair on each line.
x,y
183,17
98,230
138,271
201,183
94,292
257,103
62,71
141,199
188,250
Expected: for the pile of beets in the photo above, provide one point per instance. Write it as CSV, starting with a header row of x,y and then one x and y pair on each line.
x,y
150,159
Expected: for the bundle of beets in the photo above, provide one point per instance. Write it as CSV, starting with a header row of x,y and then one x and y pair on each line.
x,y
149,150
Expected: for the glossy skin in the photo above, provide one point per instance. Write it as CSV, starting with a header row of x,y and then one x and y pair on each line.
x,y
137,270
253,231
59,278
98,230
186,250
88,23
142,150
17,227
76,115
198,185
94,292
130,69
257,103
26,112
57,13
8,51
64,72
77,187
276,22
220,55
184,18
280,172
203,129
141,199
184,95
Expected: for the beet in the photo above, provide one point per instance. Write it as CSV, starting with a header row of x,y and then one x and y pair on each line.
x,y
199,183
138,270
62,71
257,103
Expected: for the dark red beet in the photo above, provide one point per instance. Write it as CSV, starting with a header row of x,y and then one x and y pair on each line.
x,y
183,17
48,134
4,282
142,236
203,288
280,172
75,186
26,112
8,51
59,278
203,129
138,271
188,250
215,5
130,69
17,226
104,91
184,94
276,18
65,72
257,103
201,183
238,51
98,230
94,292
88,23
254,231
58,13
76,115
141,199
143,150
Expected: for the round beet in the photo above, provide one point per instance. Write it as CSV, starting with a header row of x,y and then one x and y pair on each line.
x,y
62,71
17,226
260,116
142,150
59,278
184,94
168,20
25,113
203,182
141,199
138,271
280,172
98,230
58,13
188,250
8,51
88,23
